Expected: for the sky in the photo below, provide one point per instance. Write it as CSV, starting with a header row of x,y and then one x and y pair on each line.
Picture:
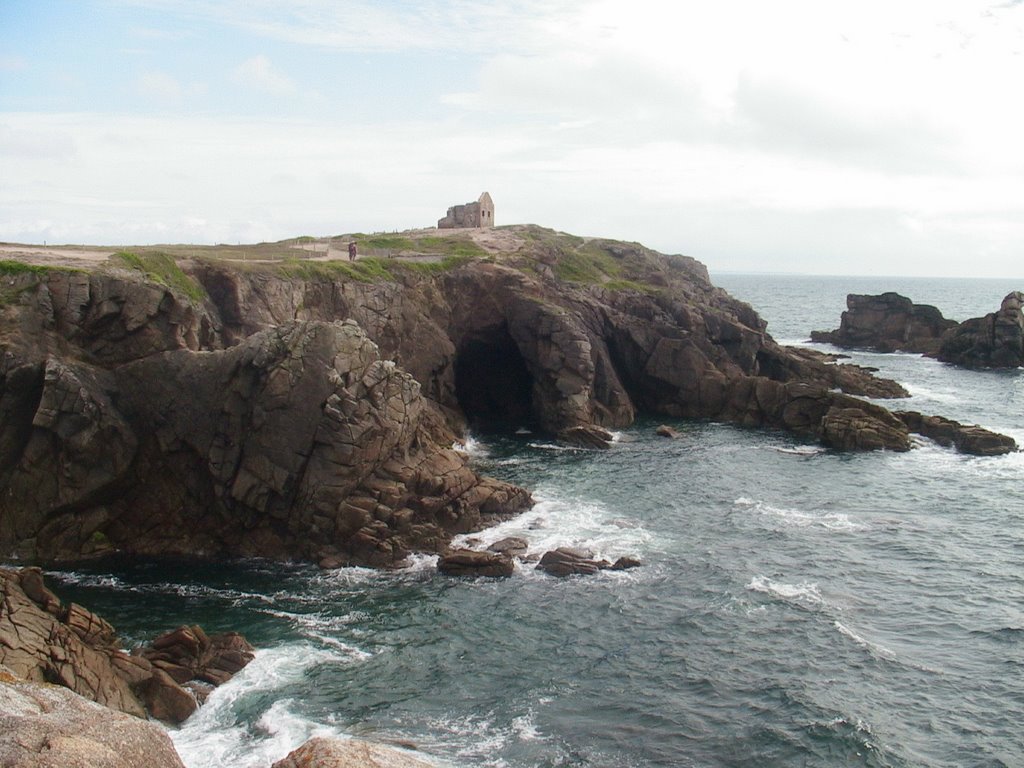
x,y
879,137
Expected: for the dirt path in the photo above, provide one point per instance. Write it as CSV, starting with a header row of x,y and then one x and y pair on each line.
x,y
55,255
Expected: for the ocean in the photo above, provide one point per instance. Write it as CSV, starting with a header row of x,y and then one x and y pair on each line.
x,y
796,606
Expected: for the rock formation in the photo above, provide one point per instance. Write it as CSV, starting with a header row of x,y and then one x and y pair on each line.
x,y
47,726
44,641
298,411
993,341
570,561
887,322
469,562
323,752
965,438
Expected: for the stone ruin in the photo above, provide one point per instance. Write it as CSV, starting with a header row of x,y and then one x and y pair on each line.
x,y
477,215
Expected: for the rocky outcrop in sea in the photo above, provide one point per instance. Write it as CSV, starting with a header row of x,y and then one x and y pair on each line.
x,y
887,322
993,341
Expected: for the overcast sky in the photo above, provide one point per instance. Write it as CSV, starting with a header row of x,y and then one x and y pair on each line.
x,y
818,136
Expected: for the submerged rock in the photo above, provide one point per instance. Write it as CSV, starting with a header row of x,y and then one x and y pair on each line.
x,y
587,436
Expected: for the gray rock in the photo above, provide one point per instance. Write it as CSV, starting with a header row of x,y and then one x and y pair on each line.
x,y
514,546
46,726
323,752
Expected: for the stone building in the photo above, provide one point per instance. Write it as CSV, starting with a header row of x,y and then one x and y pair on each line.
x,y
479,214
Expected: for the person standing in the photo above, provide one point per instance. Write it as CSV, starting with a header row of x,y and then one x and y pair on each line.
x,y
352,251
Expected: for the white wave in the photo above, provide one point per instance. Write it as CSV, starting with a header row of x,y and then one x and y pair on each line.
x,y
800,450
559,522
324,629
525,728
875,648
212,736
419,563
832,521
92,580
471,447
805,593
944,396
554,447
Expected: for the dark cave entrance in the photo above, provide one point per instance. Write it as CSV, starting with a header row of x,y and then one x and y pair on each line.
x,y
493,384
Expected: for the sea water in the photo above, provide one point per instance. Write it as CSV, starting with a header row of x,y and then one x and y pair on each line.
x,y
796,606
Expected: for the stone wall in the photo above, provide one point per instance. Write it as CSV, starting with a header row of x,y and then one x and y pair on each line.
x,y
479,214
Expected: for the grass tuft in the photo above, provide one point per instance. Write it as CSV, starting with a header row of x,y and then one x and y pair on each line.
x,y
162,268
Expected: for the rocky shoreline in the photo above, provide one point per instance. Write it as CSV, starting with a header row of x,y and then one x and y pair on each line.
x,y
71,696
305,410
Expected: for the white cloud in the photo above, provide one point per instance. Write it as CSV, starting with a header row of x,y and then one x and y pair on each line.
x,y
160,87
732,130
258,73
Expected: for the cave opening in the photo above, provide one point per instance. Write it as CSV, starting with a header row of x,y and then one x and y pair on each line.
x,y
493,384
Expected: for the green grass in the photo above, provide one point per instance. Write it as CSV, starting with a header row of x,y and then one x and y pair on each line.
x,y
629,285
451,246
161,268
8,267
432,267
586,264
365,270
383,243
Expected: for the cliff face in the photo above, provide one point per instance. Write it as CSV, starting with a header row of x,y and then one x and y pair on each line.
x,y
306,409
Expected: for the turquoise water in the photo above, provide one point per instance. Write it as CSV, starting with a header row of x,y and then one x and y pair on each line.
x,y
796,606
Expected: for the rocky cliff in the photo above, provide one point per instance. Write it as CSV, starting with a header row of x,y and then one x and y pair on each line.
x,y
306,409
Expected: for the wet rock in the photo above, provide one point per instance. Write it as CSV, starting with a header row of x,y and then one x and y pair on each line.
x,y
42,640
626,563
887,322
860,429
666,431
993,341
470,562
970,439
323,752
587,436
570,561
514,546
